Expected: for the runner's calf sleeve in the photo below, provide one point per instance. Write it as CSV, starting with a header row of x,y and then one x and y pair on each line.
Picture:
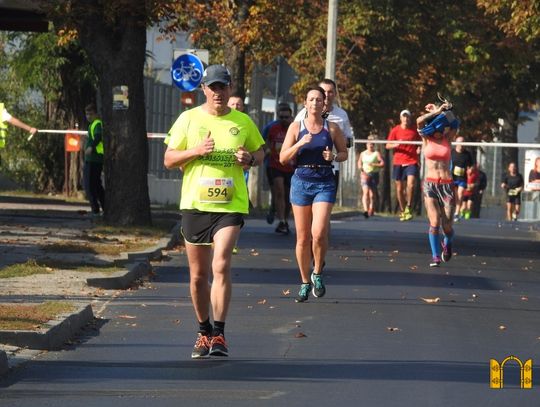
x,y
448,237
435,240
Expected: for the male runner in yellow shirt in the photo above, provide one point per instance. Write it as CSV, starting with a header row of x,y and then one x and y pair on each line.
x,y
212,144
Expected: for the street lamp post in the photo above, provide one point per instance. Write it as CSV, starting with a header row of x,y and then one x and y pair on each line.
x,y
330,71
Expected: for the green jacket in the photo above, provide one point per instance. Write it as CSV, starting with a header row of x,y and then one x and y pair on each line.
x,y
95,141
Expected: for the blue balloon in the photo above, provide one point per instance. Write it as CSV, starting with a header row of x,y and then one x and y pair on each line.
x,y
186,72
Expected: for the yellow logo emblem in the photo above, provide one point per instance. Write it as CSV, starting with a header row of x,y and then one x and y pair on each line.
x,y
496,373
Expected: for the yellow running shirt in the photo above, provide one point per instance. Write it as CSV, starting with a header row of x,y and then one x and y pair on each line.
x,y
215,182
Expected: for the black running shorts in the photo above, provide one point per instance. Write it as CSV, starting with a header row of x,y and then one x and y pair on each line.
x,y
200,227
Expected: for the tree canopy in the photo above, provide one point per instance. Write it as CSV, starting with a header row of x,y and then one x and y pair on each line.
x,y
483,55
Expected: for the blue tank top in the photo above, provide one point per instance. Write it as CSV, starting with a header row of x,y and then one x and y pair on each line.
x,y
310,164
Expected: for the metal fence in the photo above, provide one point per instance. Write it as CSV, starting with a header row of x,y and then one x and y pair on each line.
x,y
164,105
489,159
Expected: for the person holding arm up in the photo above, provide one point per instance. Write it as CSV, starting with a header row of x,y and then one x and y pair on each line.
x,y
438,128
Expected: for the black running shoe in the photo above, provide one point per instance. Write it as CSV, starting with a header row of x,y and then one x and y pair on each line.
x,y
201,350
283,228
218,346
303,294
318,286
270,217
446,252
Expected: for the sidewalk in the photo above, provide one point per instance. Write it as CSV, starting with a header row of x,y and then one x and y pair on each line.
x,y
40,229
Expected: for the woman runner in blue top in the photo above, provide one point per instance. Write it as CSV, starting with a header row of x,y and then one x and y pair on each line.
x,y
309,144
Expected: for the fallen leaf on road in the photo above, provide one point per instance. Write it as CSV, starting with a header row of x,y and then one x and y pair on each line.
x,y
127,316
392,329
502,327
286,260
414,267
261,302
392,260
177,321
286,292
300,335
524,298
430,300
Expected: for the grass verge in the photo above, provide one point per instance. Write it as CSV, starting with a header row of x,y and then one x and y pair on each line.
x,y
110,248
24,269
31,316
47,266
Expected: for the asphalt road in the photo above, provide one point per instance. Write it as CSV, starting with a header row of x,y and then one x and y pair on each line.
x,y
390,331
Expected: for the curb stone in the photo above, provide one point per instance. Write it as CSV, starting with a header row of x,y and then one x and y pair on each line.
x,y
151,254
137,264
121,279
55,333
4,367
341,215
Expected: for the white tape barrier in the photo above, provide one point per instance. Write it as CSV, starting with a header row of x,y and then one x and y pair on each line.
x,y
463,143
156,135
83,132
360,141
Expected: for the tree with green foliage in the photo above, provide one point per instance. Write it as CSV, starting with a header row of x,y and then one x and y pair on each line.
x,y
516,18
240,32
41,70
392,55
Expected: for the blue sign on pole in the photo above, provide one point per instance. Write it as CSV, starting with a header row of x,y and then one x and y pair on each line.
x,y
186,72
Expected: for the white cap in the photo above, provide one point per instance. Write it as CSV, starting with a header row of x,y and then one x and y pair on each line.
x,y
405,112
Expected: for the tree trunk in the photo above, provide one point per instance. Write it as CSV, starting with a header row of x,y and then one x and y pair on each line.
x,y
235,60
235,57
116,50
